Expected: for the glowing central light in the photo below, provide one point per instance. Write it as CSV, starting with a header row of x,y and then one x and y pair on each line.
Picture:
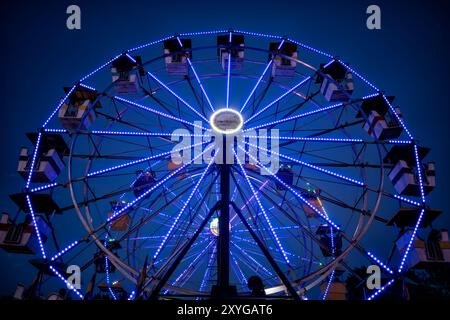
x,y
214,227
226,121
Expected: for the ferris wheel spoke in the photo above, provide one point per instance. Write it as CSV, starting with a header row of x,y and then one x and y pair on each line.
x,y
252,260
141,160
309,113
260,78
299,84
158,184
320,213
187,273
274,234
169,233
238,271
159,113
303,163
177,96
196,77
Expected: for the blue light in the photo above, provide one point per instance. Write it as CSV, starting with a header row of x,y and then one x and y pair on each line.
x,y
196,77
290,189
33,160
150,44
259,265
60,253
131,163
415,203
311,166
398,117
310,48
277,240
45,187
373,296
384,266
260,79
229,74
36,228
335,106
358,75
69,285
419,172
59,106
279,98
330,280
130,204
99,68
183,208
313,139
413,236
258,34
132,103
176,96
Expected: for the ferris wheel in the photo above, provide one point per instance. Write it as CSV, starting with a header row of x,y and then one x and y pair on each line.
x,y
124,179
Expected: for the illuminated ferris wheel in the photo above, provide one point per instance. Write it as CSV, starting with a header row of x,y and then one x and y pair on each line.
x,y
124,179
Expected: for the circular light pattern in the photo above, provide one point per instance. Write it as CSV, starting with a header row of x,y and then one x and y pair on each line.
x,y
226,121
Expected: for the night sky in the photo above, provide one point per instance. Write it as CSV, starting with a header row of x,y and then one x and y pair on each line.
x,y
408,58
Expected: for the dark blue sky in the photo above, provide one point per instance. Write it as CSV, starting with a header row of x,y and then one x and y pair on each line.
x,y
408,58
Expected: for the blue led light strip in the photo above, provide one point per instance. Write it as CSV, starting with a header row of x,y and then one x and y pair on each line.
x,y
415,203
36,228
188,268
69,285
306,114
323,215
277,240
63,251
311,166
145,134
312,139
176,95
302,115
130,204
330,280
99,68
59,106
260,78
413,236
278,99
131,163
402,123
228,74
196,77
373,296
207,272
384,266
169,233
258,265
33,160
132,103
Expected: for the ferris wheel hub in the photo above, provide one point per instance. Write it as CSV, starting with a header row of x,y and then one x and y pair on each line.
x,y
226,121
